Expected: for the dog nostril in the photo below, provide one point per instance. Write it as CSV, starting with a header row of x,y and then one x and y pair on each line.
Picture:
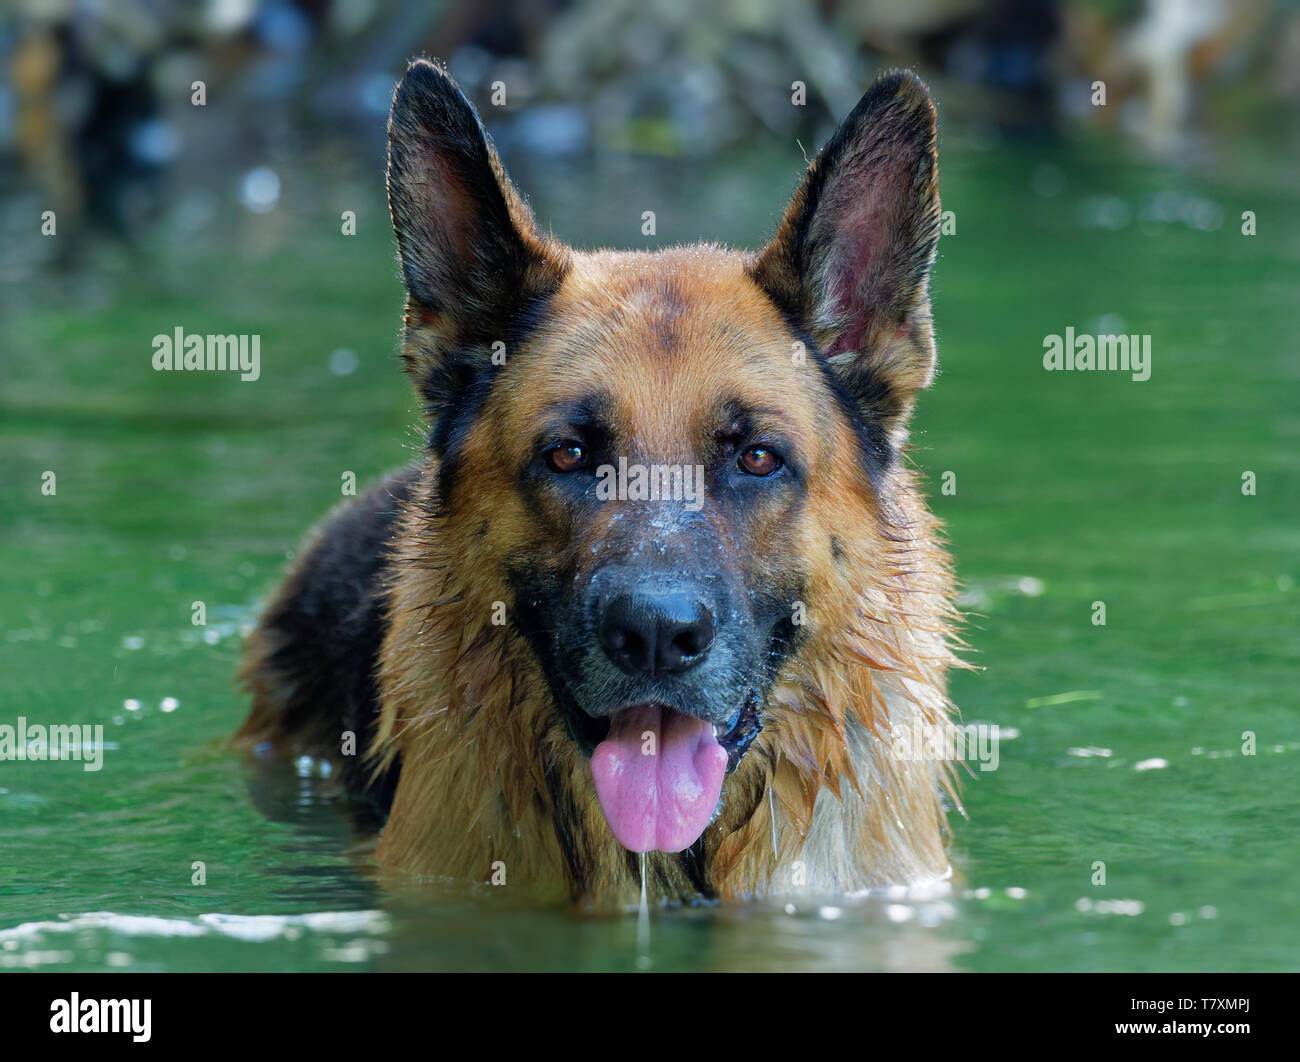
x,y
624,627
634,650
683,642
687,643
656,634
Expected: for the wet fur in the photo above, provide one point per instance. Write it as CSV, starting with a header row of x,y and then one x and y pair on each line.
x,y
385,624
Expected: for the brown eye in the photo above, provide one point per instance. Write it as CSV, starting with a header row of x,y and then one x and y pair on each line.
x,y
567,458
759,461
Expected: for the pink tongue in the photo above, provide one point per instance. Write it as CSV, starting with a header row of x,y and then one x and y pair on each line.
x,y
658,775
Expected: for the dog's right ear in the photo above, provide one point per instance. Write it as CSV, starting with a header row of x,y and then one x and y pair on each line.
x,y
472,257
851,261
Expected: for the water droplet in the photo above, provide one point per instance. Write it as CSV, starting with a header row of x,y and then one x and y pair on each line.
x,y
259,191
643,925
344,362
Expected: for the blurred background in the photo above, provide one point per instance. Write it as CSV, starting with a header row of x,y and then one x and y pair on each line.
x,y
1115,166
98,118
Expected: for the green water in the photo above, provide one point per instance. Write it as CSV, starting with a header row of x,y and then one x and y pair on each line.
x,y
1071,489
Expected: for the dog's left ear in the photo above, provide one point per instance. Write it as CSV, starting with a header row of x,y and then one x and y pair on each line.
x,y
473,259
851,260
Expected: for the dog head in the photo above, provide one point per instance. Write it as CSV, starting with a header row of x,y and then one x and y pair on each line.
x,y
662,459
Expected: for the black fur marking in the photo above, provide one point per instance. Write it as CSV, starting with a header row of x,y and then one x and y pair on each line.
x,y
568,821
455,393
586,420
325,630
747,728
452,427
530,621
786,637
696,869
875,454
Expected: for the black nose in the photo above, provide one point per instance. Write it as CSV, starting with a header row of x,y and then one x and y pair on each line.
x,y
656,633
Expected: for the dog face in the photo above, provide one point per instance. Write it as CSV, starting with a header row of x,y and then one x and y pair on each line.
x,y
651,453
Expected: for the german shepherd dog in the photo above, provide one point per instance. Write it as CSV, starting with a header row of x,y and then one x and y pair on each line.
x,y
712,663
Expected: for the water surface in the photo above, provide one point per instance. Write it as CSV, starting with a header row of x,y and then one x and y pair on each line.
x,y
1123,743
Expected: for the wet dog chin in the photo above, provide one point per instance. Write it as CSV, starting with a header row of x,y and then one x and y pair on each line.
x,y
658,776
